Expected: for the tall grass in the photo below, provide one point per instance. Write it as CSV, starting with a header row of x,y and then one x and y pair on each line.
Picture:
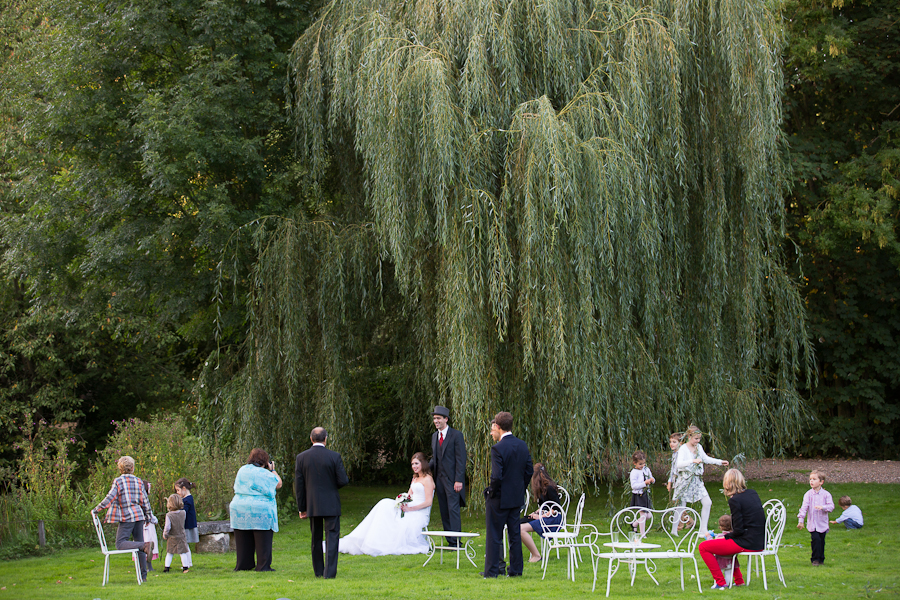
x,y
43,490
42,487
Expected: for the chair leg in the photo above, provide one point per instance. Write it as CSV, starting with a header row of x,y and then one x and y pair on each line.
x,y
762,559
106,569
780,574
608,577
545,552
697,575
137,568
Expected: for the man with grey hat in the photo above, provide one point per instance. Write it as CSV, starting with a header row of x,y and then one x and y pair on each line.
x,y
448,465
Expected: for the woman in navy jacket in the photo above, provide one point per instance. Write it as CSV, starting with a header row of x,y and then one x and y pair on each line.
x,y
748,520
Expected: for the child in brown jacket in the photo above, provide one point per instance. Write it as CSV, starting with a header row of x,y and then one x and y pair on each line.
x,y
174,534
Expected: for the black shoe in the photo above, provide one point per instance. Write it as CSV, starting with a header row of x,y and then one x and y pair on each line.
x,y
166,570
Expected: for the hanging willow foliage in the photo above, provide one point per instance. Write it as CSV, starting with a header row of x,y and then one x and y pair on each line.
x,y
579,204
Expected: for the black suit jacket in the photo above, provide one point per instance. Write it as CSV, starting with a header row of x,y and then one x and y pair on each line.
x,y
449,459
318,475
511,471
748,521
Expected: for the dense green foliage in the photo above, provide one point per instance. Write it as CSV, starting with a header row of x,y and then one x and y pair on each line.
x,y
571,210
843,109
136,139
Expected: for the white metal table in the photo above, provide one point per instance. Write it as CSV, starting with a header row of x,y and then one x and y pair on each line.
x,y
632,556
465,548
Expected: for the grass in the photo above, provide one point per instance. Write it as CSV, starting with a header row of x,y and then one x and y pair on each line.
x,y
857,563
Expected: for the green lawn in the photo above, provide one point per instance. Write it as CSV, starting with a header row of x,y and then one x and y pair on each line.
x,y
858,564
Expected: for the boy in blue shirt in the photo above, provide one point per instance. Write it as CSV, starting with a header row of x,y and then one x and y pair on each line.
x,y
851,517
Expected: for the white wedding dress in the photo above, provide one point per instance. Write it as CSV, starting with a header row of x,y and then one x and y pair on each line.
x,y
384,531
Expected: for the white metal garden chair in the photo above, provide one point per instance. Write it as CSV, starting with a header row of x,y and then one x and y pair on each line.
x,y
107,552
776,517
565,538
564,498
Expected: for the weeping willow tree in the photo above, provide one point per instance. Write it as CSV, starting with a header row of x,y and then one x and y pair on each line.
x,y
575,208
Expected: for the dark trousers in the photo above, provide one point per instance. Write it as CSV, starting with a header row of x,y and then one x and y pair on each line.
x,y
851,524
817,543
132,530
495,519
448,502
250,542
325,566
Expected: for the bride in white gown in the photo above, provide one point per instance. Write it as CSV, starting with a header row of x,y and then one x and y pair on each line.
x,y
391,530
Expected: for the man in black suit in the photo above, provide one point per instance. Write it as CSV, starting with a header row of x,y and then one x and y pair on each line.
x,y
448,466
318,474
511,471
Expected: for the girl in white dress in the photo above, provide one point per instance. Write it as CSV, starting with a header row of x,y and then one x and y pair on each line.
x,y
389,529
689,485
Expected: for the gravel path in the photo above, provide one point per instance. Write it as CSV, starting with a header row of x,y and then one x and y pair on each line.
x,y
836,470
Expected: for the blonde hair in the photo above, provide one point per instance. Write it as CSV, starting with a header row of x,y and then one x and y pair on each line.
x,y
733,482
691,431
174,502
126,465
819,474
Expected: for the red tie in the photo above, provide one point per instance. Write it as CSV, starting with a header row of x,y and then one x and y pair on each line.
x,y
441,439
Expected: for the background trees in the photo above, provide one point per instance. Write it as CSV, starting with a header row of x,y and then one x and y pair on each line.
x,y
137,139
575,207
571,209
843,108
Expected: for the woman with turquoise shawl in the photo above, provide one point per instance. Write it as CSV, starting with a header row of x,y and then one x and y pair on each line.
x,y
254,515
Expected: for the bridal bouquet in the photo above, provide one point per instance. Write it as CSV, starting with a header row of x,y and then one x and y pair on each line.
x,y
402,499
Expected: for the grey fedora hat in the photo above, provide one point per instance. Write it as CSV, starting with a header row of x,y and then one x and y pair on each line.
x,y
441,410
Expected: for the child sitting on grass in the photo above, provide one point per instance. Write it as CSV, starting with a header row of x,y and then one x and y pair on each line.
x,y
851,517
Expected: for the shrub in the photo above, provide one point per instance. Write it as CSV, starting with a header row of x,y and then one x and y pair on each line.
x,y
164,450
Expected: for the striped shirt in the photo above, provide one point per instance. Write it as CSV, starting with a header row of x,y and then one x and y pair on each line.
x,y
816,519
127,501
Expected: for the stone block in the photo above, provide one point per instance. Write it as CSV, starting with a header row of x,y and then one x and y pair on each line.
x,y
215,542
